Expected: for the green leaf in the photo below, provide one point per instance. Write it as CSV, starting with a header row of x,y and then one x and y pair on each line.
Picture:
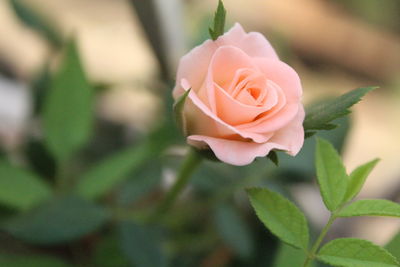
x,y
105,175
358,178
351,252
31,261
289,256
68,108
394,246
39,159
108,253
371,207
280,216
178,111
331,174
32,19
21,189
141,183
60,220
320,116
234,230
142,245
40,86
219,22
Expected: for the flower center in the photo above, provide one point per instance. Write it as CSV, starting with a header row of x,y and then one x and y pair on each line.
x,y
249,87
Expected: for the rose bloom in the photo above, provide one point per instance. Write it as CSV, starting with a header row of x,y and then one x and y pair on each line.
x,y
243,101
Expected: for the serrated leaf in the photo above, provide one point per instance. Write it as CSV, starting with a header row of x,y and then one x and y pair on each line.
x,y
358,178
21,189
280,216
331,174
60,220
13,260
394,246
234,230
142,245
68,107
35,21
351,252
178,111
371,207
219,22
319,116
273,156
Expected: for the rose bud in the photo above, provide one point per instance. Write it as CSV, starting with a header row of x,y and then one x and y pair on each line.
x,y
243,101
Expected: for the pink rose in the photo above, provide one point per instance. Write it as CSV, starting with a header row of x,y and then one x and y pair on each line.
x,y
243,102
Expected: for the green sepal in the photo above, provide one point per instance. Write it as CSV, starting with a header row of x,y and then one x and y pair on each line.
x,y
178,111
219,22
273,156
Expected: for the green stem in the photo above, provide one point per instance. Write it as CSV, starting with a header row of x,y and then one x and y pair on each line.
x,y
192,161
317,243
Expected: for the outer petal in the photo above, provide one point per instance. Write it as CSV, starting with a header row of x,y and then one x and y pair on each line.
x,y
233,152
193,66
253,44
290,139
292,135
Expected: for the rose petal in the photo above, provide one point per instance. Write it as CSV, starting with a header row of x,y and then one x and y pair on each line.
x,y
201,120
283,75
233,152
223,67
234,112
194,65
253,44
274,119
292,135
290,139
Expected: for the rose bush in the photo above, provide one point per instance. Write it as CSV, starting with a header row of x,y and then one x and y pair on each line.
x,y
243,101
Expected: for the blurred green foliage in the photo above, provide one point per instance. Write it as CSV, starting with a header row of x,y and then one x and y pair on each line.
x,y
79,194
34,20
381,13
68,109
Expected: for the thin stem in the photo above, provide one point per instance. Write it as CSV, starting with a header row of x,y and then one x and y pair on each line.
x,y
317,243
192,161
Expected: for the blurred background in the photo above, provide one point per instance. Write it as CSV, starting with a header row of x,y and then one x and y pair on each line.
x,y
130,51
